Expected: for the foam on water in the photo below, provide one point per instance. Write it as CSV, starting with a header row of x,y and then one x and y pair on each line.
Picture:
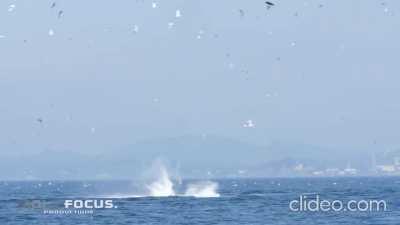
x,y
205,189
163,186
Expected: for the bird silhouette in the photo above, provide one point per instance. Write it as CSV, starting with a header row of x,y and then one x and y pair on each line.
x,y
60,13
269,4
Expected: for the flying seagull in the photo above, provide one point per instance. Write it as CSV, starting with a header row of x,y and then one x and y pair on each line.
x,y
60,13
241,13
269,4
53,5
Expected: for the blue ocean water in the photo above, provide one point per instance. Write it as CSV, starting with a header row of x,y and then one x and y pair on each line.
x,y
241,201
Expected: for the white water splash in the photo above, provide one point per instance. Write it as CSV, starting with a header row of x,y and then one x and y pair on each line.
x,y
163,186
205,189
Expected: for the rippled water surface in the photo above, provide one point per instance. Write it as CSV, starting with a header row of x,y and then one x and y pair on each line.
x,y
240,201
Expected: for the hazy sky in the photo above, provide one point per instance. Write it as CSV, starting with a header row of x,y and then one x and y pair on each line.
x,y
108,73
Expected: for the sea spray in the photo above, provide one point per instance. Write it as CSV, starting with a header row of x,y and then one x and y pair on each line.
x,y
163,185
203,189
158,183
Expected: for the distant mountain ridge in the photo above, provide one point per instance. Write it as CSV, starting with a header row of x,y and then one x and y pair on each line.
x,y
194,155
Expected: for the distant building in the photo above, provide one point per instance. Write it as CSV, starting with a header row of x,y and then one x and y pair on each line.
x,y
349,170
397,161
332,171
318,173
299,167
386,168
373,163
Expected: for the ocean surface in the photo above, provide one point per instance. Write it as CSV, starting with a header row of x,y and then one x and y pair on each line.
x,y
224,201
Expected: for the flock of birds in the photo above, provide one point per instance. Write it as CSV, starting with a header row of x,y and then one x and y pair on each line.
x,y
247,124
154,5
60,12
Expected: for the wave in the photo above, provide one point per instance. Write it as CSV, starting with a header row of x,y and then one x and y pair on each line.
x,y
163,186
205,189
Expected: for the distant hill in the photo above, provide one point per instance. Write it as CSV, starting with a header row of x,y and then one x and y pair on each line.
x,y
191,155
